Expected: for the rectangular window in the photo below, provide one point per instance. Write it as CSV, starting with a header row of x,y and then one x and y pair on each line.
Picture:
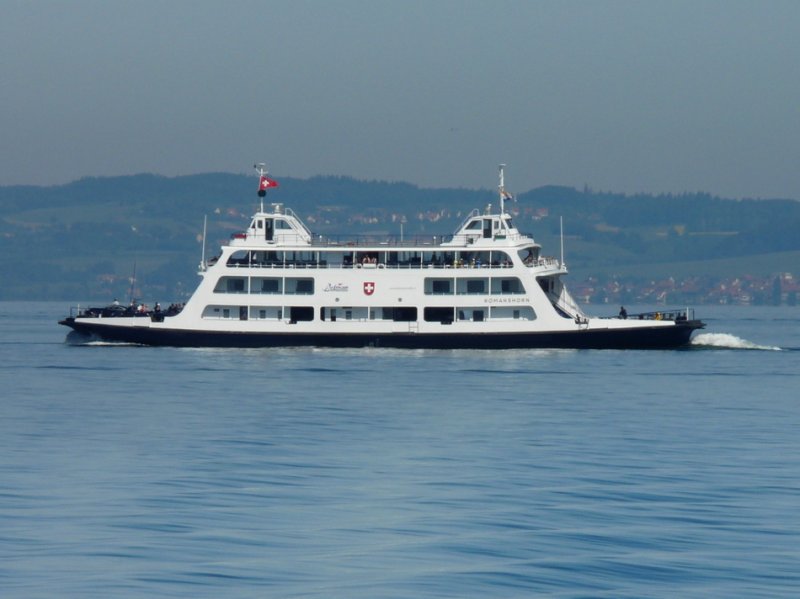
x,y
507,285
296,286
438,286
472,286
231,285
300,314
266,285
437,314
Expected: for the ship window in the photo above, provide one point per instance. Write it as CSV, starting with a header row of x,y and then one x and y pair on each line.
x,y
265,312
433,259
301,259
296,286
404,314
501,259
404,259
439,314
230,285
529,255
512,313
265,285
476,314
300,314
239,258
282,224
438,286
472,286
476,224
507,285
333,259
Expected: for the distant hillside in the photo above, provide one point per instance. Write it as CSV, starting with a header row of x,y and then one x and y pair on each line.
x,y
82,241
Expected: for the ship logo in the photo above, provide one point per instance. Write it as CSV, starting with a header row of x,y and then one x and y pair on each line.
x,y
369,287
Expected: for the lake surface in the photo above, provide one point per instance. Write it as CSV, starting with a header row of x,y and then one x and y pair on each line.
x,y
131,471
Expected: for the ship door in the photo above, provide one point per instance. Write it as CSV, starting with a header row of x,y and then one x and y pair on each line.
x,y
487,228
269,229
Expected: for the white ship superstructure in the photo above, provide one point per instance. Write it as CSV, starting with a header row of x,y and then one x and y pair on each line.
x,y
486,286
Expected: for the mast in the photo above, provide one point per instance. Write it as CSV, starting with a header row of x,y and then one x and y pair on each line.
x,y
502,189
203,253
133,282
262,176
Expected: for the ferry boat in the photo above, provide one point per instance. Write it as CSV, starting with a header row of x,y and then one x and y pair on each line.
x,y
487,286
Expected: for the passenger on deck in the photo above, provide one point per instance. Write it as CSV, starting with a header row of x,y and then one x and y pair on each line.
x,y
529,258
623,313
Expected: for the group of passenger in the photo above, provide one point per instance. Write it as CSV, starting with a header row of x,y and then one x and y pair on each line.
x,y
368,259
136,308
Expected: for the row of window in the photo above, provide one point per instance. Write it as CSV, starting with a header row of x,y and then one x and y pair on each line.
x,y
444,315
431,286
386,258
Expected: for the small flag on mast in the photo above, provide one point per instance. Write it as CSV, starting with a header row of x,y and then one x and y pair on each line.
x,y
266,182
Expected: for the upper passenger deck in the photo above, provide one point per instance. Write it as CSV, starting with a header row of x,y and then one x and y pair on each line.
x,y
487,237
283,228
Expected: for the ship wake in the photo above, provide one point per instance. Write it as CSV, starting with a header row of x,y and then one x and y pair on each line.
x,y
728,341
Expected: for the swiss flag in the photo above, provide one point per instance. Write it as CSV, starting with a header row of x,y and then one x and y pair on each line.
x,y
266,182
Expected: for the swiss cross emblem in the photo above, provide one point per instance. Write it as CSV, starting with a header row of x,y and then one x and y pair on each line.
x,y
369,287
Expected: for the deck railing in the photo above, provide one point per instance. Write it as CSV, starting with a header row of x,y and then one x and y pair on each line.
x,y
674,314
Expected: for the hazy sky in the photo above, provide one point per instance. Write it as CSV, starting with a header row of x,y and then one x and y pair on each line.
x,y
661,96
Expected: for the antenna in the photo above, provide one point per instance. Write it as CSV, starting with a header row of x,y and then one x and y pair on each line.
x,y
203,254
561,223
133,281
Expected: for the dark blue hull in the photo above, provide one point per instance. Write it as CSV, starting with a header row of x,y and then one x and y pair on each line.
x,y
659,337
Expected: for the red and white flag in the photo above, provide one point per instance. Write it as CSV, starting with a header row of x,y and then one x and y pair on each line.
x,y
266,182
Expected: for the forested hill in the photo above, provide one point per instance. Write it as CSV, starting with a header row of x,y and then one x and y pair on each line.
x,y
83,240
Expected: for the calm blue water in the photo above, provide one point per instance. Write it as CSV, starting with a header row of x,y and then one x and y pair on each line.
x,y
131,471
